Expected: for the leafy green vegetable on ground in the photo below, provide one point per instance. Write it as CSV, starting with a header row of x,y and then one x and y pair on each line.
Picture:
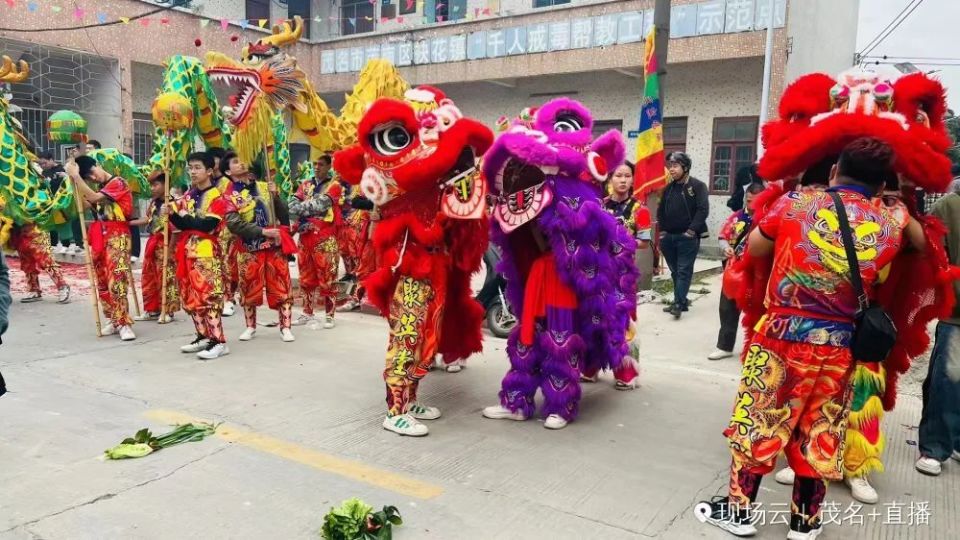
x,y
356,520
144,443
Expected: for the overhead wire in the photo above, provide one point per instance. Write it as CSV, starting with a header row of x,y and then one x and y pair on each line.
x,y
884,36
173,4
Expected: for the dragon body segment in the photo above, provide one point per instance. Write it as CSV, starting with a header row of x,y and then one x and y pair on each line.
x,y
185,76
24,195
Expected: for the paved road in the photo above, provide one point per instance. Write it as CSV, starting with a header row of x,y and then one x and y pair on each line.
x,y
302,432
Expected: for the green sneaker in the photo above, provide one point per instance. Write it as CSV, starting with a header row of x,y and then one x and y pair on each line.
x,y
423,412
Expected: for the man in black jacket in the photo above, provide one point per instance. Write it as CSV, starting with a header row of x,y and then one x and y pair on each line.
x,y
682,220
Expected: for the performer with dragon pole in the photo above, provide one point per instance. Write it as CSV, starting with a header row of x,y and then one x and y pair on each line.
x,y
416,160
318,209
799,305
26,205
571,278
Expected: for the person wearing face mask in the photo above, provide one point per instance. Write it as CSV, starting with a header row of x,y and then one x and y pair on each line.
x,y
682,220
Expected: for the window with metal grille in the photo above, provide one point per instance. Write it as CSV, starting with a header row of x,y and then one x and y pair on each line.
x,y
143,132
734,146
548,3
258,9
356,17
675,134
301,8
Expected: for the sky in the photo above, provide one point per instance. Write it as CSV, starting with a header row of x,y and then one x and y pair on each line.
x,y
930,31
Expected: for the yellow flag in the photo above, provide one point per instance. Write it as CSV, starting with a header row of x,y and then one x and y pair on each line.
x,y
125,20
262,22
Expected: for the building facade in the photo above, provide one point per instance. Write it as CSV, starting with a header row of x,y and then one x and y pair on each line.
x,y
493,57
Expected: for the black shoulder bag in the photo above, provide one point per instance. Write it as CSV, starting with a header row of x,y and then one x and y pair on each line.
x,y
874,333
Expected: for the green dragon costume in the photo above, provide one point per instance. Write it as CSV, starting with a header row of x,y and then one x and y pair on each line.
x,y
25,196
186,77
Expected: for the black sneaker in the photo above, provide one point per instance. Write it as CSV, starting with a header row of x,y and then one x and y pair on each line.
x,y
676,311
719,513
668,309
801,530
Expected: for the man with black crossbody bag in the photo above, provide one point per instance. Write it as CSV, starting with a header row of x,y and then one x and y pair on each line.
x,y
795,384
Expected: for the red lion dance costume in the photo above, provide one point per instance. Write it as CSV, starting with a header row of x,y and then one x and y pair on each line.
x,y
416,161
819,116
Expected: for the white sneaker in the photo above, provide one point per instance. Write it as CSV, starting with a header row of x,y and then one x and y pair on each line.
x,y
404,424
785,476
75,250
861,490
499,412
349,305
928,466
147,317
629,385
196,345
809,535
554,421
213,351
134,259
719,354
586,379
63,294
303,319
165,319
126,333
248,334
108,330
60,249
455,367
229,308
423,412
328,323
31,298
287,335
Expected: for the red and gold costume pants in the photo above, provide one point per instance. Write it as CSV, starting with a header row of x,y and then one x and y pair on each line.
x,y
33,247
318,259
110,245
416,312
359,257
202,285
152,279
229,245
793,397
265,271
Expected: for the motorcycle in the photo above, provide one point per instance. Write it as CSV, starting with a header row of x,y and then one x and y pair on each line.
x,y
500,320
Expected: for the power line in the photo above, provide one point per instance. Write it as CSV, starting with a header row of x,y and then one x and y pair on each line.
x,y
173,4
885,36
885,28
934,58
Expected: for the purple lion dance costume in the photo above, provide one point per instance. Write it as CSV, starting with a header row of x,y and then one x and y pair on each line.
x,y
569,264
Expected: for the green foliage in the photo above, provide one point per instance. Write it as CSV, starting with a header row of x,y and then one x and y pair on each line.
x,y
355,520
144,443
953,128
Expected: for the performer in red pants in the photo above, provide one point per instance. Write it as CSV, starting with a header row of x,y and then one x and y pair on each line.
x,y
36,254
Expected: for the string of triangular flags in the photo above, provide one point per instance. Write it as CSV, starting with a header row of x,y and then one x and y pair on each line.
x,y
86,16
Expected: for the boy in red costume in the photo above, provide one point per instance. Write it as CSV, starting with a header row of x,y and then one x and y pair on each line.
x,y
36,254
154,269
109,236
416,161
317,208
199,216
259,218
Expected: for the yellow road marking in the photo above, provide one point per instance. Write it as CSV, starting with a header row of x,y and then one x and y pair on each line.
x,y
353,470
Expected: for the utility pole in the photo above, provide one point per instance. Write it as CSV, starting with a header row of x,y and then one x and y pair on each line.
x,y
661,19
767,64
